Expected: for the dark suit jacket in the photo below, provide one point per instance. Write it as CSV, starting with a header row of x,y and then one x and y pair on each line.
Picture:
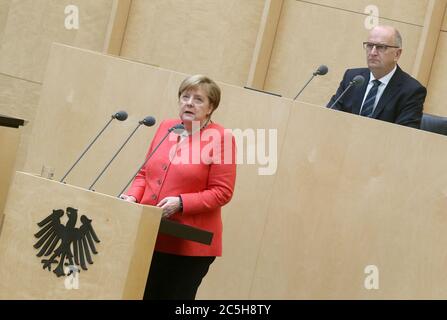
x,y
401,102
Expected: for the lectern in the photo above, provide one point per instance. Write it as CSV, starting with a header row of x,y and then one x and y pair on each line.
x,y
126,234
64,242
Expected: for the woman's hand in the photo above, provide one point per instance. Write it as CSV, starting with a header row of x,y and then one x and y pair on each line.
x,y
128,198
170,205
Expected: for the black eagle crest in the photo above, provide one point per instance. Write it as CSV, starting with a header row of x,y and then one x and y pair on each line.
x,y
71,243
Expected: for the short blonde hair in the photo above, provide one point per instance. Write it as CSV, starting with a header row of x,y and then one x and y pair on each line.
x,y
211,89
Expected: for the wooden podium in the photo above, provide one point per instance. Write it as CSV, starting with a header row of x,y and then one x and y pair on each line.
x,y
126,231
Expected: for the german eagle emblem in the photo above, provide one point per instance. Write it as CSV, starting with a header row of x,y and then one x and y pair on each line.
x,y
65,243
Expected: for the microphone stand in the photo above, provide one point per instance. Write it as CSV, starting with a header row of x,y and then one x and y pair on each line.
x,y
313,76
85,151
342,94
116,153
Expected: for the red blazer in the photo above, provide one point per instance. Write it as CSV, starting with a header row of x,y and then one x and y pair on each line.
x,y
202,172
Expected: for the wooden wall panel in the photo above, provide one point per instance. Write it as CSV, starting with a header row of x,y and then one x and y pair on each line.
x,y
9,142
4,9
428,40
436,102
299,50
264,43
352,192
117,26
215,37
87,104
410,11
20,98
444,24
32,26
242,109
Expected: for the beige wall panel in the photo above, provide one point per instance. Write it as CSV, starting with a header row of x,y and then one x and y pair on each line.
x,y
245,215
264,43
444,24
408,11
306,39
20,98
73,112
354,192
4,9
117,26
216,37
436,102
9,142
32,26
428,40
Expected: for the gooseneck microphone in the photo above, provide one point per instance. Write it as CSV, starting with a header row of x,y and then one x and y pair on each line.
x,y
356,81
148,121
120,116
321,71
177,127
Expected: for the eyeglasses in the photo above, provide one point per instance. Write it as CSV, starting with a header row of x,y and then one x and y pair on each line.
x,y
379,47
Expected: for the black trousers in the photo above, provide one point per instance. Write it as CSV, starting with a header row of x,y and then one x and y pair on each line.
x,y
174,277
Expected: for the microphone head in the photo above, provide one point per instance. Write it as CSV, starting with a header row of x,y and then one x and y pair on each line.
x,y
358,80
178,128
321,71
149,121
120,115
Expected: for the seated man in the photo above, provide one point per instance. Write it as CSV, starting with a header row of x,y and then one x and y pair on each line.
x,y
388,93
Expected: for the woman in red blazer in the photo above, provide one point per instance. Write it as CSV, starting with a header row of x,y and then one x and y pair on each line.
x,y
191,176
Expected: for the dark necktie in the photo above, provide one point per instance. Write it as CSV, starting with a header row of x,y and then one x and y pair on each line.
x,y
368,105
